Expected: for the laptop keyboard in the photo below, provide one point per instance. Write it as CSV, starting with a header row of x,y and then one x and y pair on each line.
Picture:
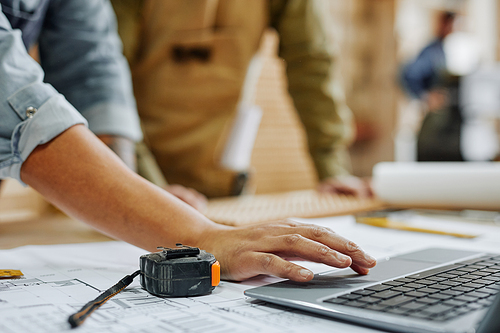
x,y
437,294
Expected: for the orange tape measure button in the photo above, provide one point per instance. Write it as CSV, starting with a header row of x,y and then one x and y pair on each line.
x,y
215,274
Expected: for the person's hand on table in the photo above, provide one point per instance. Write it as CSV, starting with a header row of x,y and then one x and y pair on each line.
x,y
348,185
245,252
189,195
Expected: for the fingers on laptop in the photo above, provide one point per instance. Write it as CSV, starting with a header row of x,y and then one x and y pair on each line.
x,y
268,260
296,245
261,249
310,242
359,269
268,263
335,242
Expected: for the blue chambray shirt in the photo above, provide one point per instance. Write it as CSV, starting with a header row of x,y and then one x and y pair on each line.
x,y
82,68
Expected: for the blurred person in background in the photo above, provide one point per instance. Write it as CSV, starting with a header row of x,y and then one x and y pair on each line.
x,y
189,62
427,78
460,95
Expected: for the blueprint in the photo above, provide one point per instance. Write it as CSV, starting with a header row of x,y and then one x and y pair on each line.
x,y
59,279
43,305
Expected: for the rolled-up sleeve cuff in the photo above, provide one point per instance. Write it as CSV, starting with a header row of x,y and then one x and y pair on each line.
x,y
114,119
51,119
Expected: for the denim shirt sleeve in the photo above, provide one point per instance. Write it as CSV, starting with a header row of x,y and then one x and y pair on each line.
x,y
81,54
22,87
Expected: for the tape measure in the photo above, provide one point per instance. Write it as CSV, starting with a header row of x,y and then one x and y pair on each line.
x,y
182,271
173,272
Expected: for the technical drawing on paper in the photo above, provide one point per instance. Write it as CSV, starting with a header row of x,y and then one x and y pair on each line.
x,y
43,303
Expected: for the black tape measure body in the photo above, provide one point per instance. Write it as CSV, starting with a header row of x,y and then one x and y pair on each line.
x,y
184,271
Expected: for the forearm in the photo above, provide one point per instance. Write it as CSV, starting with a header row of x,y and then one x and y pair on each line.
x,y
327,120
314,82
332,161
87,181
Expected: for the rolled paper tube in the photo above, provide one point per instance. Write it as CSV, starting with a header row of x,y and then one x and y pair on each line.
x,y
454,185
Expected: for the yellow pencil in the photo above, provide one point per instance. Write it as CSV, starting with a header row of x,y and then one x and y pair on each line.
x,y
383,222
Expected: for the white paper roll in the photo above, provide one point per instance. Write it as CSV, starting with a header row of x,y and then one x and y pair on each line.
x,y
462,185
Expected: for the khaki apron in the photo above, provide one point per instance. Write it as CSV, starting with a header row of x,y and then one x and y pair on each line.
x,y
188,72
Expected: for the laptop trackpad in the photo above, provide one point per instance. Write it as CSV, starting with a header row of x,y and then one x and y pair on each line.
x,y
329,284
389,269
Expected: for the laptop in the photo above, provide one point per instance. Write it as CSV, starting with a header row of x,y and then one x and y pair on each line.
x,y
432,290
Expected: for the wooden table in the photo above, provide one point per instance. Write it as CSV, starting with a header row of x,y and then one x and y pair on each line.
x,y
51,228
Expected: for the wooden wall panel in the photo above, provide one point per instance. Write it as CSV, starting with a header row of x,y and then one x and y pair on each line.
x,y
280,160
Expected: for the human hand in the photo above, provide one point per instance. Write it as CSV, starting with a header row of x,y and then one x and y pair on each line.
x,y
349,185
245,252
190,196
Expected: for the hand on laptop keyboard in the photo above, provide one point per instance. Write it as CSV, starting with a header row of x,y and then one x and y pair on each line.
x,y
260,250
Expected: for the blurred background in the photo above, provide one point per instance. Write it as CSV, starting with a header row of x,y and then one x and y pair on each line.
x,y
376,39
